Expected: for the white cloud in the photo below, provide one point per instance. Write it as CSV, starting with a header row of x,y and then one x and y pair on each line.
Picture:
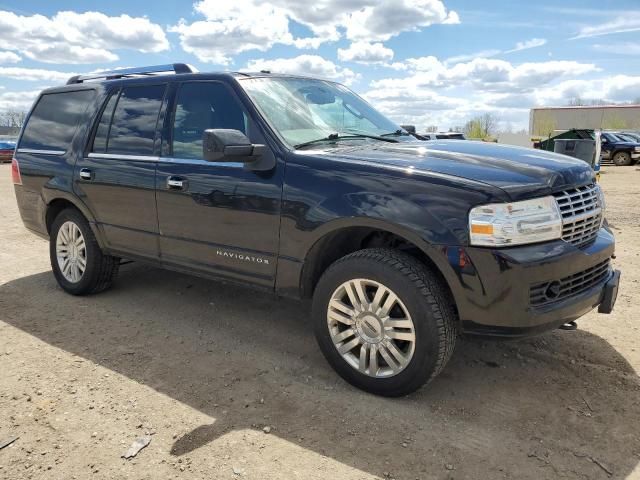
x,y
614,89
35,74
527,44
312,65
230,28
433,92
470,56
629,22
366,53
384,20
484,74
20,101
624,48
71,37
9,57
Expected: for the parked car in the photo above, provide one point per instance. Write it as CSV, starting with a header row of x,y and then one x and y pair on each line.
x,y
7,147
444,136
299,187
620,149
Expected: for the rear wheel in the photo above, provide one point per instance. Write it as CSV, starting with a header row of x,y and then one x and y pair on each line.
x,y
78,263
622,159
384,321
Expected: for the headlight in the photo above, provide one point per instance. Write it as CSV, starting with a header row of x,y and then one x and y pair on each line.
x,y
517,223
601,200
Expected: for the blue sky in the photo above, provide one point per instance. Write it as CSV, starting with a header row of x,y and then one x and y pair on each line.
x,y
427,62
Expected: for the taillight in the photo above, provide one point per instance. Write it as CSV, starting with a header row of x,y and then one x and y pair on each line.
x,y
15,172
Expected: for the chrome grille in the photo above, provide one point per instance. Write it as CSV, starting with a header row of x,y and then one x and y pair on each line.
x,y
581,212
556,290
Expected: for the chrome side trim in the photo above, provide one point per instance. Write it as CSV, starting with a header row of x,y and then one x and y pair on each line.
x,y
41,151
114,156
198,161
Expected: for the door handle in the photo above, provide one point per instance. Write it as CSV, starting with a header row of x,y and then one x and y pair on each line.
x,y
86,174
176,183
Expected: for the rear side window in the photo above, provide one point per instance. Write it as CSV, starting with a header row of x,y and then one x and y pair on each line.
x,y
55,119
130,128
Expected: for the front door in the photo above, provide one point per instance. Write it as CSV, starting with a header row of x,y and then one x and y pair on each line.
x,y
216,217
116,177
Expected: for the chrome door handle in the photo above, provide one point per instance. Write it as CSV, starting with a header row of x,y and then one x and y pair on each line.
x,y
86,174
176,183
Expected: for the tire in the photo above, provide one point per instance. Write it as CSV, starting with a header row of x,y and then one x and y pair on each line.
x,y
421,298
99,269
622,159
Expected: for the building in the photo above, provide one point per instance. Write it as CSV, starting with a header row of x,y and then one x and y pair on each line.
x,y
545,121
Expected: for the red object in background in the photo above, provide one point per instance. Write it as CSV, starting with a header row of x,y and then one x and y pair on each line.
x,y
6,154
15,172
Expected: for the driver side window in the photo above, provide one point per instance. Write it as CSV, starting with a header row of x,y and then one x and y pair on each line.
x,y
201,106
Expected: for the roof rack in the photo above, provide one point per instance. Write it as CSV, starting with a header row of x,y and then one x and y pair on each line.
x,y
127,72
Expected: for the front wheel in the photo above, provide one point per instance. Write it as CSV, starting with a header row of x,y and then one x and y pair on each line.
x,y
78,263
622,159
384,321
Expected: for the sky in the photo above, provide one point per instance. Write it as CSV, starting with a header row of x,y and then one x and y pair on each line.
x,y
423,62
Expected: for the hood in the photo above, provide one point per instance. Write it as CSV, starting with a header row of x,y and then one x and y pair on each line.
x,y
520,172
624,144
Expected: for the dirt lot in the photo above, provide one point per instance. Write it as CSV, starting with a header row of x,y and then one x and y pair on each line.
x,y
204,368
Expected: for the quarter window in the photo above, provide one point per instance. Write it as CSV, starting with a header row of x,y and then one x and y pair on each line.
x,y
201,106
55,119
133,126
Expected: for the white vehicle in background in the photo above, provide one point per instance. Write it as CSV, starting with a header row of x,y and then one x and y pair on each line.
x,y
443,136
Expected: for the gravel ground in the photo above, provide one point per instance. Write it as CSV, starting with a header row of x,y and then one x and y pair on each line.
x,y
229,383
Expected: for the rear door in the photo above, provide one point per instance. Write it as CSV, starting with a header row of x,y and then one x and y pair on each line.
x,y
216,217
116,176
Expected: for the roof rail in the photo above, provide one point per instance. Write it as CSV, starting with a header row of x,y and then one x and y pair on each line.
x,y
126,72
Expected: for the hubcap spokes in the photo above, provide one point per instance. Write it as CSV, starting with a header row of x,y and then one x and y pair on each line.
x,y
371,328
71,252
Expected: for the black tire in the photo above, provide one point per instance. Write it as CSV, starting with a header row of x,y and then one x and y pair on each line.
x,y
100,270
422,293
622,159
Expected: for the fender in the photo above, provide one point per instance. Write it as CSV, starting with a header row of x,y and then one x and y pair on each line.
x,y
50,193
437,253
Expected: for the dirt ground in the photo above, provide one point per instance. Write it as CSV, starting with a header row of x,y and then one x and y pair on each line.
x,y
203,368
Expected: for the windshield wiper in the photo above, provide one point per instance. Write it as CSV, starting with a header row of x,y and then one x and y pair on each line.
x,y
351,135
331,136
397,133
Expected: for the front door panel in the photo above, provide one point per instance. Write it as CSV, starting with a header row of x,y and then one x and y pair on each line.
x,y
217,217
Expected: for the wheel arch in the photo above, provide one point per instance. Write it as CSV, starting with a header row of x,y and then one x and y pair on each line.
x,y
61,201
347,236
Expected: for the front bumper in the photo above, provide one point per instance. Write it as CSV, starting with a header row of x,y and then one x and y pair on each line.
x,y
493,287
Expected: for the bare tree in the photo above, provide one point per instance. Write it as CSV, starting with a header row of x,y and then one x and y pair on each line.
x,y
13,118
576,101
481,126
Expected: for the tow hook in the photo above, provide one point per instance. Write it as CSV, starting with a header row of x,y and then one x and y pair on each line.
x,y
569,326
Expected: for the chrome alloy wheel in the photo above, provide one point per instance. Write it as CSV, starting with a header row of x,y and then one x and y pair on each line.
x,y
71,252
371,328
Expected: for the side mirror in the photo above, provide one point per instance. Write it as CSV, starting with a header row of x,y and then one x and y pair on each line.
x,y
224,145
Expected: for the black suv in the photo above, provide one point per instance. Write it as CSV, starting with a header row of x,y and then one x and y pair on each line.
x,y
299,187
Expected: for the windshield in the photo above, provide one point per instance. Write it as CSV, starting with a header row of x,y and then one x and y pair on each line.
x,y
304,110
629,137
